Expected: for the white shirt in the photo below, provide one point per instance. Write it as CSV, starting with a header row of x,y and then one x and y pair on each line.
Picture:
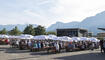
x,y
17,42
57,46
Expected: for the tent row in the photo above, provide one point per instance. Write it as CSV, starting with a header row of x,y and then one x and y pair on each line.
x,y
51,37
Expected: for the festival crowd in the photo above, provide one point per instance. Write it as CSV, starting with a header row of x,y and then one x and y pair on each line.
x,y
53,44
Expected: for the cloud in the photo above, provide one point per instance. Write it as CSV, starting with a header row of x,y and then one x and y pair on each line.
x,y
70,10
44,2
29,12
47,12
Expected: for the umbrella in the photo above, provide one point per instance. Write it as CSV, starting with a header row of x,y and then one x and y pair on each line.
x,y
41,37
4,36
76,39
25,36
84,38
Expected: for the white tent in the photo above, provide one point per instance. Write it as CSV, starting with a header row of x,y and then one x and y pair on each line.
x,y
53,37
14,37
25,36
41,37
4,36
76,39
65,38
84,39
94,39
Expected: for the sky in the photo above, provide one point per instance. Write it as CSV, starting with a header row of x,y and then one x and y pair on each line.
x,y
47,12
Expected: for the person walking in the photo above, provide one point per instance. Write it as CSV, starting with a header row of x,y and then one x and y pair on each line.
x,y
101,45
104,46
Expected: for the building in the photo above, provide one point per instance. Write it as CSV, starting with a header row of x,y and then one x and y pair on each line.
x,y
72,32
90,34
101,34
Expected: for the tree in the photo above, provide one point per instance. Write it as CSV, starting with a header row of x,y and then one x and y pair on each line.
x,y
29,30
15,31
39,30
3,31
51,32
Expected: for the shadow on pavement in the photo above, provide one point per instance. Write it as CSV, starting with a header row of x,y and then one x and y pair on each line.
x,y
90,56
14,50
41,53
3,48
8,49
50,53
28,58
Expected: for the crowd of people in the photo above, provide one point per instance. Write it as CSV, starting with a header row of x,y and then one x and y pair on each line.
x,y
54,46
52,43
4,41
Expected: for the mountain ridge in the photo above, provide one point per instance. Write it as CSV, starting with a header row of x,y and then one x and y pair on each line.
x,y
21,27
89,23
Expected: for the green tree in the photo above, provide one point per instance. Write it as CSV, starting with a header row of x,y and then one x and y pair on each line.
x,y
15,31
3,31
51,32
39,30
29,30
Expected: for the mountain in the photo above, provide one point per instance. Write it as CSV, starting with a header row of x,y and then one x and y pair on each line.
x,y
21,27
59,25
90,23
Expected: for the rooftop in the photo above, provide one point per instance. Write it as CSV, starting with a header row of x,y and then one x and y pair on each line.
x,y
72,29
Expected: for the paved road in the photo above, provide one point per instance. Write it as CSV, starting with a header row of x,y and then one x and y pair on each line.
x,y
7,53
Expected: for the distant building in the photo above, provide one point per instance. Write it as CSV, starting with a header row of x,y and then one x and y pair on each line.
x,y
101,34
72,32
90,34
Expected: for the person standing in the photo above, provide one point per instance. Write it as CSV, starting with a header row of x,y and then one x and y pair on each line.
x,y
17,43
57,46
101,45
92,46
29,43
104,46
6,41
